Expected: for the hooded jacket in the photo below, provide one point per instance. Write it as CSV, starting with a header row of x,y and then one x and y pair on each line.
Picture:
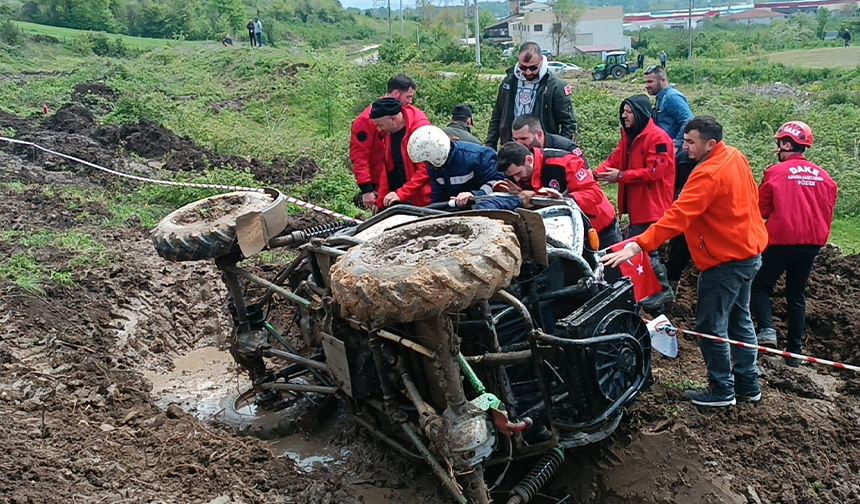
x,y
718,212
416,189
646,157
797,198
551,100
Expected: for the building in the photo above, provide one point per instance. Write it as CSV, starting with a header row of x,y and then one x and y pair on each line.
x,y
536,22
754,17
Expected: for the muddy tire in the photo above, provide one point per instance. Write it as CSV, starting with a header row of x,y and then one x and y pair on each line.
x,y
422,270
241,415
206,229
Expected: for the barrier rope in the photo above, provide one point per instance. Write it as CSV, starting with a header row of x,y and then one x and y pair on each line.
x,y
671,330
217,187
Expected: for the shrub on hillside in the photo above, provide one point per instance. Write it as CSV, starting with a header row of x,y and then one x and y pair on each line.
x,y
9,33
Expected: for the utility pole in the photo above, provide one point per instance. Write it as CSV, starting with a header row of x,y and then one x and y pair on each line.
x,y
466,20
478,36
690,23
401,19
390,36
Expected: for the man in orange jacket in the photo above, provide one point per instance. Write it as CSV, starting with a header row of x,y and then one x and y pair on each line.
x,y
719,215
643,166
402,180
366,143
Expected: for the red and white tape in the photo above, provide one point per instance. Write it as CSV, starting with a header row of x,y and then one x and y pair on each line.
x,y
669,328
217,187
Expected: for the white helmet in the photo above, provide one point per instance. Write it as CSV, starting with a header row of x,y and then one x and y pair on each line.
x,y
429,144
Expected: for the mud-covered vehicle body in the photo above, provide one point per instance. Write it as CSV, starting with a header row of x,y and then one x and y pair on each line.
x,y
465,340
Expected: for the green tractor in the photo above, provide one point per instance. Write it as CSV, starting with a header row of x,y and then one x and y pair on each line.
x,y
614,64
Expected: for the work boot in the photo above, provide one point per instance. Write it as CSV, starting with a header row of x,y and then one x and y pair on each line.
x,y
767,337
712,397
791,361
656,302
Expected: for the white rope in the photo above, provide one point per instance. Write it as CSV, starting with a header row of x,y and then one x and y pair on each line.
x,y
219,187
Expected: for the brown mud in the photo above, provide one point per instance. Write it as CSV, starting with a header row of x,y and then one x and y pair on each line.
x,y
89,372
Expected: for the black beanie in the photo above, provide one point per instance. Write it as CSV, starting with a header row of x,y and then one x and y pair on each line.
x,y
384,107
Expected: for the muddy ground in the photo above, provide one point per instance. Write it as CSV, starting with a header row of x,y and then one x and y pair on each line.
x,y
89,372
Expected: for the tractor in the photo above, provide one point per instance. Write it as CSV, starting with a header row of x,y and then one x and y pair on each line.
x,y
614,64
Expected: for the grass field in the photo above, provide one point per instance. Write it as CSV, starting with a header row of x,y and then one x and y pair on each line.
x,y
66,34
828,57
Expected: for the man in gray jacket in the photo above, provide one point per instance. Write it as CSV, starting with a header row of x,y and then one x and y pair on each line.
x,y
529,88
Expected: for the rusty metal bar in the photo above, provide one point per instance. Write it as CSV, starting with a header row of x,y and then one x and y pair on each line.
x,y
501,358
296,387
265,283
415,347
297,359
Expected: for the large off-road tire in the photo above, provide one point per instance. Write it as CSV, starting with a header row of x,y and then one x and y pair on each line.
x,y
598,75
618,72
206,229
422,270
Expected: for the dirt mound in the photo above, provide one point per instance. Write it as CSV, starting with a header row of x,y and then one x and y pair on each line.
x,y
775,90
283,173
219,106
72,118
83,91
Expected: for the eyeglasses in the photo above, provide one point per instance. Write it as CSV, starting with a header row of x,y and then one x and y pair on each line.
x,y
532,68
651,69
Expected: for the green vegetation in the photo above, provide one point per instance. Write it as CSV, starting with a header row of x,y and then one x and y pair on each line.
x,y
29,270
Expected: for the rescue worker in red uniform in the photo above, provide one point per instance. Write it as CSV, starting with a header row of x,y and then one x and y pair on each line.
x,y
643,166
403,180
554,172
366,150
797,198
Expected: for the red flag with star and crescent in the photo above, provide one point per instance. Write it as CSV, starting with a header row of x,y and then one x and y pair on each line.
x,y
639,270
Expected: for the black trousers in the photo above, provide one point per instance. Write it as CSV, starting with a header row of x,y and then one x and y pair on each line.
x,y
796,262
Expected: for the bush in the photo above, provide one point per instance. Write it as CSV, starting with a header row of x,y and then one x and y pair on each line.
x,y
10,34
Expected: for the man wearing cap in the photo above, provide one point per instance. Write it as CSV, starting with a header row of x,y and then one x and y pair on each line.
x,y
401,181
366,149
460,129
530,88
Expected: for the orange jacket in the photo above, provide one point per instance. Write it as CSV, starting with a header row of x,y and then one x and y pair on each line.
x,y
417,187
717,211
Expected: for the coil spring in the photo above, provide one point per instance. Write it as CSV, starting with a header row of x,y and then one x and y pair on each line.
x,y
537,478
325,229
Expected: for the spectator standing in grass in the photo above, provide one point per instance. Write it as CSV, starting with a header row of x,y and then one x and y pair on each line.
x,y
251,35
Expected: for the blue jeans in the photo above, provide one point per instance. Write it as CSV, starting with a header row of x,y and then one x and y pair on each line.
x,y
499,203
723,309
260,39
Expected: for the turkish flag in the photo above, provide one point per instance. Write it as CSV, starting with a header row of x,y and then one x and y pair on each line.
x,y
639,269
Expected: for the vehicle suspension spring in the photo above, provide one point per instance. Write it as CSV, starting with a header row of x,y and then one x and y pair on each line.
x,y
325,229
537,478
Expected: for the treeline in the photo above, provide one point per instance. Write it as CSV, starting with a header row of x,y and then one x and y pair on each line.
x,y
719,39
200,19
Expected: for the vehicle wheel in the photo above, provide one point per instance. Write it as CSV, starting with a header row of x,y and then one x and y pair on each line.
x,y
618,72
425,269
206,229
598,75
246,419
615,363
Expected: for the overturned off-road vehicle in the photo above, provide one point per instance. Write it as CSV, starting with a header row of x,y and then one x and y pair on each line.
x,y
464,340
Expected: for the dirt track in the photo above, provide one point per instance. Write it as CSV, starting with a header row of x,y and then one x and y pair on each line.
x,y
82,424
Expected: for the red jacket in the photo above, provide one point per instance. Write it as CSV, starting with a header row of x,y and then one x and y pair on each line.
x,y
717,211
417,186
646,184
567,173
366,152
797,199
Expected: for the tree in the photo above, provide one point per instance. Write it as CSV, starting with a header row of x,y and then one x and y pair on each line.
x,y
567,14
229,12
821,18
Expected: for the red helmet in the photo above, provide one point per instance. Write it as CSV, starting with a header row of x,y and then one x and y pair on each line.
x,y
798,131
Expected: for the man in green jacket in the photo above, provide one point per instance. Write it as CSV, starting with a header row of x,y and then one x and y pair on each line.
x,y
460,129
529,88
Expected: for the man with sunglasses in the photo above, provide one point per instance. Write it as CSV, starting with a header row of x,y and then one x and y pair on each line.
x,y
529,88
